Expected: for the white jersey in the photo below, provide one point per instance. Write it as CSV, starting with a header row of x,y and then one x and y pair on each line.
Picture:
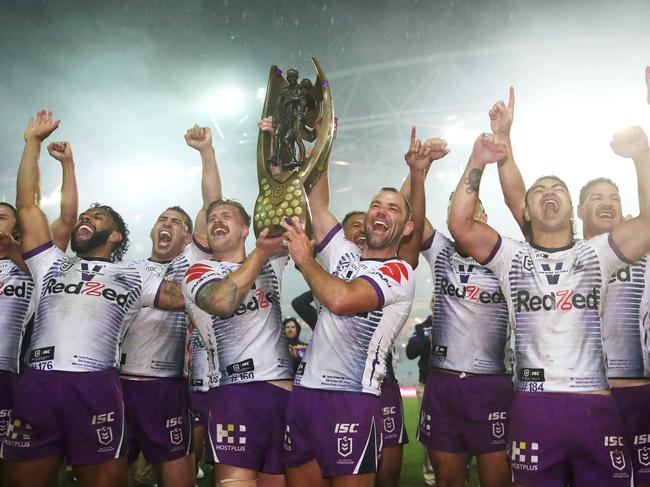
x,y
156,339
250,344
200,378
470,318
16,309
83,305
625,322
555,300
348,353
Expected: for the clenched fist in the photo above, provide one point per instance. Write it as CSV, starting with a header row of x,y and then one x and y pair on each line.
x,y
630,142
199,138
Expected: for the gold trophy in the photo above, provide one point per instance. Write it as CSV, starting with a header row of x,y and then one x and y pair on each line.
x,y
286,169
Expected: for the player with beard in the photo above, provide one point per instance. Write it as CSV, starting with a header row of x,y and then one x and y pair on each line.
x,y
554,287
69,401
240,297
152,365
364,304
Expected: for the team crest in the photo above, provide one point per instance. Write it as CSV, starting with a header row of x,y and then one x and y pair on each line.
x,y
176,436
344,446
5,422
389,425
105,435
498,429
644,456
618,459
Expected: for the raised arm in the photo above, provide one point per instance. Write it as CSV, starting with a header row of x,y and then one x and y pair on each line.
x,y
512,184
302,305
632,237
338,296
418,158
200,138
62,227
33,224
322,219
223,297
474,237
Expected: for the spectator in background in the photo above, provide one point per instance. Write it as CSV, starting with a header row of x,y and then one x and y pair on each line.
x,y
419,345
297,348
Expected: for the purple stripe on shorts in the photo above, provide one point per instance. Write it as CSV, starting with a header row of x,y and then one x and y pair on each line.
x,y
426,245
380,293
201,247
323,243
496,248
37,250
617,251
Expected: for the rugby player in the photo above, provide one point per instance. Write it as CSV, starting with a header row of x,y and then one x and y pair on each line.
x,y
333,413
468,391
554,286
69,401
240,295
152,364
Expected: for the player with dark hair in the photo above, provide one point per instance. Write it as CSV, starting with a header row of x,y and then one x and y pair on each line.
x,y
554,286
152,366
69,401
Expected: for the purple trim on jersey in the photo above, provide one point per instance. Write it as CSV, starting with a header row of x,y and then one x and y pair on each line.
x,y
201,247
157,298
37,250
617,251
380,293
323,243
496,248
426,245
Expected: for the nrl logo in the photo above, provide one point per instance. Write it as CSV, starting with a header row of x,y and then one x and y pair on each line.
x,y
498,430
176,436
389,425
105,435
344,446
618,459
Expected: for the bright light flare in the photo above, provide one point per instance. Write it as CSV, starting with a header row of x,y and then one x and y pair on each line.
x,y
261,93
226,101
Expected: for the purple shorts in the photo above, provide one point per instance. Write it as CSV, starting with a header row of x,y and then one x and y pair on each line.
x,y
158,419
338,429
76,414
465,413
246,426
392,425
634,407
200,408
561,438
7,387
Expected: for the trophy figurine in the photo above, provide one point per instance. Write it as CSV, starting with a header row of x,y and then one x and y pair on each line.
x,y
286,170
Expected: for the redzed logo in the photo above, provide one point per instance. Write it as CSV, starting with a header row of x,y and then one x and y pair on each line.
x,y
394,270
196,271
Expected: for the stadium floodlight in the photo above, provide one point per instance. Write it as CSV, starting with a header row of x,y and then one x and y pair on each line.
x,y
226,101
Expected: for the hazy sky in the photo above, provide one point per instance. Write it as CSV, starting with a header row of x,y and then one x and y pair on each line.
x,y
128,78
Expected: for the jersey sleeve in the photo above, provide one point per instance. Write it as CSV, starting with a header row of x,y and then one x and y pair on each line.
x,y
198,276
611,257
432,247
330,249
195,252
40,259
279,263
393,281
151,284
500,259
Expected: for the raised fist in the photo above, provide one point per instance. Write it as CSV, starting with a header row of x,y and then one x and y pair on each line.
x,y
501,116
489,148
266,124
437,146
630,142
40,127
420,154
61,151
199,138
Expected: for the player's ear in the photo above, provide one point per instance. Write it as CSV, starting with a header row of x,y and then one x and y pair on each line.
x,y
408,228
245,231
115,237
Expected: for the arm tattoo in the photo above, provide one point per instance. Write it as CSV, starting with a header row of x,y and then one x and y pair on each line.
x,y
473,181
173,295
219,298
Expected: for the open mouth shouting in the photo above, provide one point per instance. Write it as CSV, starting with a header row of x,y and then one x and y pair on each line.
x,y
550,206
84,231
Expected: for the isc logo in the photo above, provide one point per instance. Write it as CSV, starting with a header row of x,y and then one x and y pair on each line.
x,y
103,418
497,415
613,441
389,410
174,422
642,439
346,427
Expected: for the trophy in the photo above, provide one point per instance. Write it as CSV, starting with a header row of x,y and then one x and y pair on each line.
x,y
286,169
